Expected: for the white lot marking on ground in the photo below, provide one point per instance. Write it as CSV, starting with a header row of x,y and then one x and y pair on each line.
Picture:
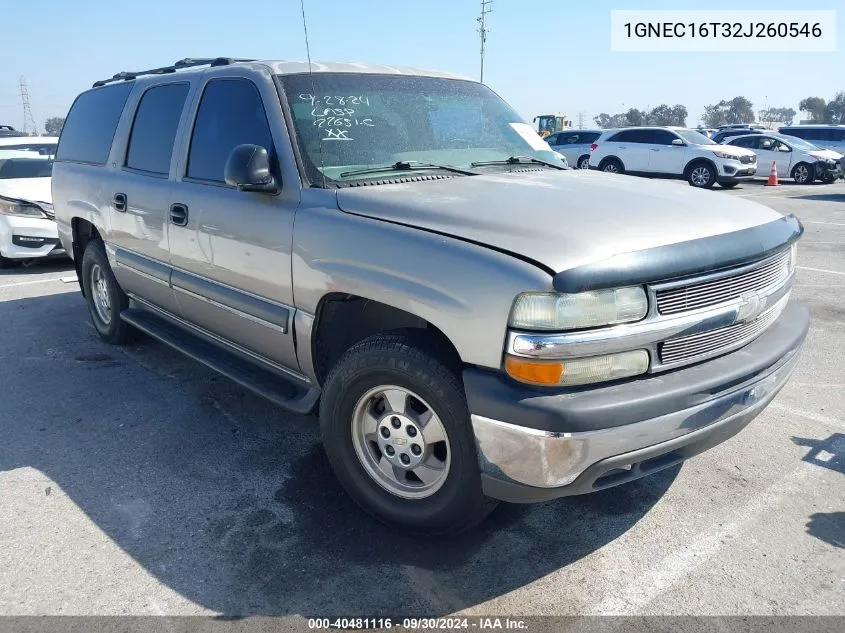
x,y
821,270
680,563
29,283
815,417
818,222
68,280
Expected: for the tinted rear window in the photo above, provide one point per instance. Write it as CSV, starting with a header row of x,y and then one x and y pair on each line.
x,y
154,128
632,136
89,129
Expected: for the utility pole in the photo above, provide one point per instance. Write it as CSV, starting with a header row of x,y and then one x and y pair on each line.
x,y
28,119
482,29
580,120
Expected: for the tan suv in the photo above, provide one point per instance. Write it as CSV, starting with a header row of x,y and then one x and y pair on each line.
x,y
476,322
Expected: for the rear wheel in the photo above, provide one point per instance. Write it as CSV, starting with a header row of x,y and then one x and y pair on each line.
x,y
584,162
104,296
396,429
612,166
803,173
701,175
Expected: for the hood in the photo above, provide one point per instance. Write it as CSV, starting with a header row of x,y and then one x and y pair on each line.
x,y
723,147
31,189
825,154
559,219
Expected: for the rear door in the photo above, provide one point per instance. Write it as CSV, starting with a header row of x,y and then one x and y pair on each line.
x,y
140,193
752,142
631,147
664,157
231,250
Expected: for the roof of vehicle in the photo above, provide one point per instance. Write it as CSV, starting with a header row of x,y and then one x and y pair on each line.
x,y
28,140
806,126
279,68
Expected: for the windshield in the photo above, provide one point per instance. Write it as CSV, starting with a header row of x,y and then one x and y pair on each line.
x,y
694,138
798,142
27,160
345,122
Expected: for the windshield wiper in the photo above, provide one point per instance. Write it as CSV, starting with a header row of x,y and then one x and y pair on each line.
x,y
518,160
407,165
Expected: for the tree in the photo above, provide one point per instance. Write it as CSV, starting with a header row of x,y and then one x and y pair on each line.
x,y
635,117
679,115
53,125
814,107
777,115
604,120
835,110
737,110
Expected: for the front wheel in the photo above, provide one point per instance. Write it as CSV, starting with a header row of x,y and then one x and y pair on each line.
x,y
584,162
396,429
803,173
701,175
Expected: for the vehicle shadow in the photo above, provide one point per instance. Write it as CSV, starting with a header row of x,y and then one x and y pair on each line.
x,y
230,502
823,197
37,267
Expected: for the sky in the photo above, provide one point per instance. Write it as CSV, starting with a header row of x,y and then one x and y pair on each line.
x,y
543,56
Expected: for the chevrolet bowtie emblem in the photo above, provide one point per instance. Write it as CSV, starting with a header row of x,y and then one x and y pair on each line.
x,y
749,307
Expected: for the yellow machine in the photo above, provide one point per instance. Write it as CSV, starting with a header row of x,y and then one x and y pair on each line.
x,y
551,123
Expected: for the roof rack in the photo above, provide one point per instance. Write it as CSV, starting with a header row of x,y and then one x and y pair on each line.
x,y
188,62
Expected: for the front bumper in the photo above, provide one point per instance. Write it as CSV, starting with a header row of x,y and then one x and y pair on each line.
x,y
736,171
28,238
578,441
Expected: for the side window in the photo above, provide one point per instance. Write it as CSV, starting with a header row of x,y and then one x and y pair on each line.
x,y
90,125
837,134
662,137
767,143
590,137
230,114
742,142
154,128
632,136
795,132
553,139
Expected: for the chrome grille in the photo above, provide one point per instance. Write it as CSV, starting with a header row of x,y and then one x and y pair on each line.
x,y
724,339
709,293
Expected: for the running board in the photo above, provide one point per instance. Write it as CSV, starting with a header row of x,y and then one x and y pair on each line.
x,y
284,391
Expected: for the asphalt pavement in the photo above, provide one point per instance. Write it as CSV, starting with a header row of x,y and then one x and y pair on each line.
x,y
135,481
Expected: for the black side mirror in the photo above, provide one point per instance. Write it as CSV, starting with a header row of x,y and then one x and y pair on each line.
x,y
248,169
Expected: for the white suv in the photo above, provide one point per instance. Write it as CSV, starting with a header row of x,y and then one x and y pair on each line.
x,y
673,152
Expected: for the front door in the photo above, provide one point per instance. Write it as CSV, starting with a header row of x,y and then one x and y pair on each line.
x,y
664,157
231,250
770,150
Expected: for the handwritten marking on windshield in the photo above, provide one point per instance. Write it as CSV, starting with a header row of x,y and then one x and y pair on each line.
x,y
332,113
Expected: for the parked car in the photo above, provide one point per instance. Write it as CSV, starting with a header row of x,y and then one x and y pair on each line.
x,y
574,145
477,322
8,130
824,136
724,135
674,152
795,158
27,228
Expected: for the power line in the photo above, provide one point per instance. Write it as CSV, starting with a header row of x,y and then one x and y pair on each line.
x,y
482,29
28,119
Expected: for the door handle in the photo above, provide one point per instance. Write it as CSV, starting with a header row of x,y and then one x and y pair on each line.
x,y
623,147
655,149
119,202
179,214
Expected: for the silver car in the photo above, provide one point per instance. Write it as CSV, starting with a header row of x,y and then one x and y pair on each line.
x,y
574,145
399,248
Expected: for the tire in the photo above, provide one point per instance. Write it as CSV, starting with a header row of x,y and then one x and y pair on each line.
x,y
701,175
98,282
803,173
728,185
612,166
5,263
583,162
403,369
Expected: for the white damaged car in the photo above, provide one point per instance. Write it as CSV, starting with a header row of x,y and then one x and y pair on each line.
x,y
27,225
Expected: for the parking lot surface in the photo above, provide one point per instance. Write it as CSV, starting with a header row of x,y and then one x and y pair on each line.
x,y
135,481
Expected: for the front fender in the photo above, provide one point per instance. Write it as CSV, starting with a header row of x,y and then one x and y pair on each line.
x,y
463,289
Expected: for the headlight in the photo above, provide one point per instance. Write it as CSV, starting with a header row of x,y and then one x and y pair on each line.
x,y
727,155
578,371
7,207
556,311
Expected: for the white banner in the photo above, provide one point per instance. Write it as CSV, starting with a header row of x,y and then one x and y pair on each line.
x,y
723,31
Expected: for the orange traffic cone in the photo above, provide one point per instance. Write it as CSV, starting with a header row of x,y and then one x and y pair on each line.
x,y
773,175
